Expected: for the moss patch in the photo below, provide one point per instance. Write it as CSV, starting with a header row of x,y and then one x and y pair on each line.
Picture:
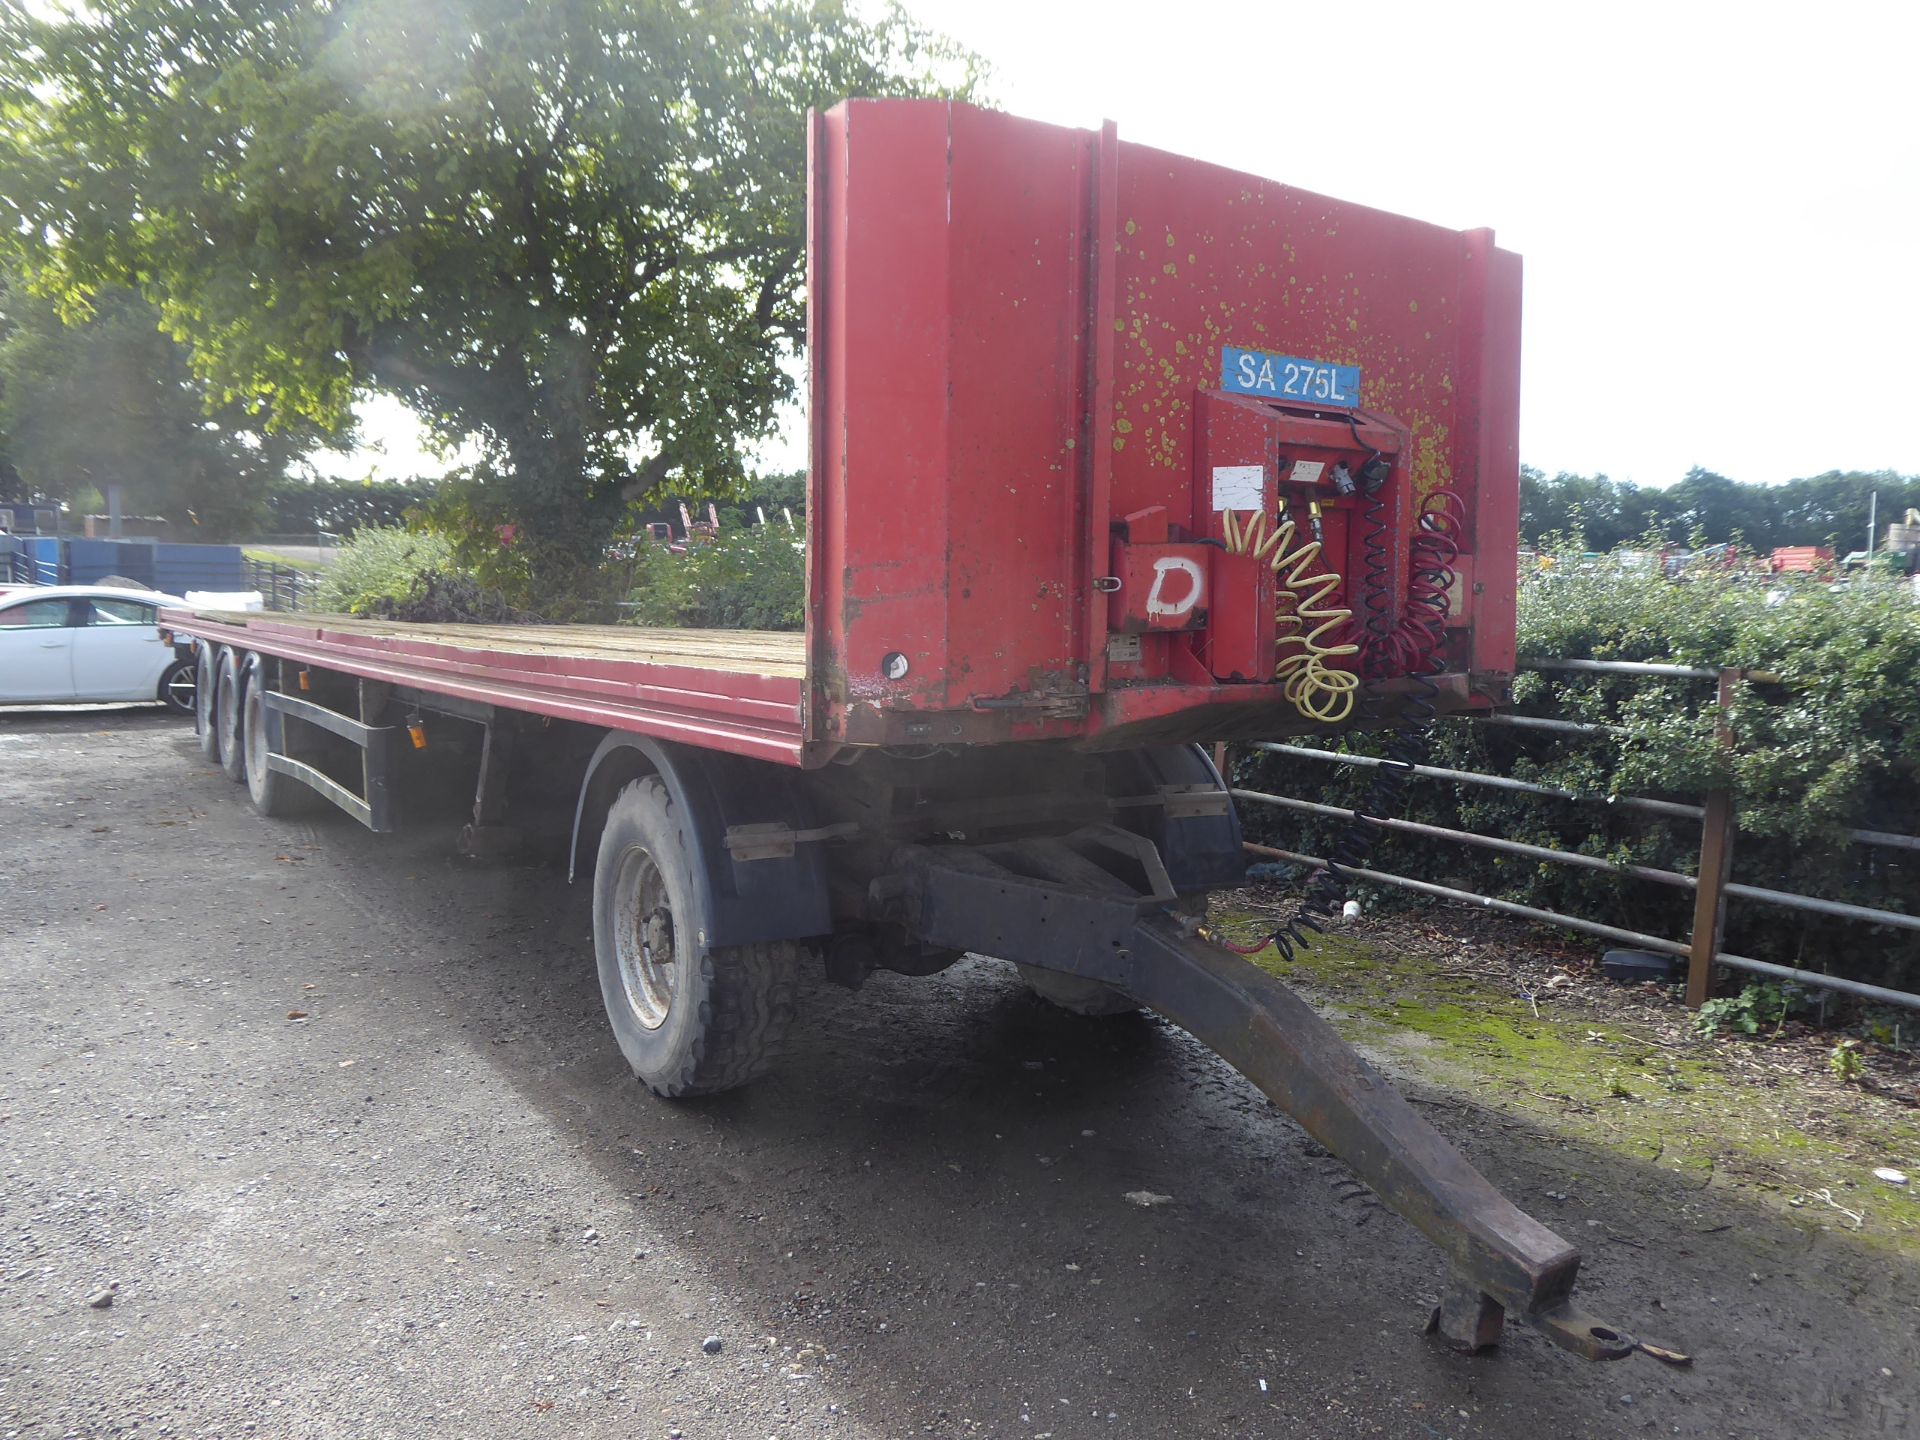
x,y
1716,1113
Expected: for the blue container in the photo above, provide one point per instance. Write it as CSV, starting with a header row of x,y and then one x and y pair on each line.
x,y
90,561
180,568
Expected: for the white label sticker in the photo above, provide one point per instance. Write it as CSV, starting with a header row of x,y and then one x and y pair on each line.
x,y
1123,649
1239,487
1306,472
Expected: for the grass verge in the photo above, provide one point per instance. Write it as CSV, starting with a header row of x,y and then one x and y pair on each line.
x,y
1621,1070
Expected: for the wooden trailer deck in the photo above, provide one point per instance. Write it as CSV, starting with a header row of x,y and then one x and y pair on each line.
x,y
737,690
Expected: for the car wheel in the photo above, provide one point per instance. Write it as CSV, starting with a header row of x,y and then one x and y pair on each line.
x,y
691,1019
206,687
226,709
178,685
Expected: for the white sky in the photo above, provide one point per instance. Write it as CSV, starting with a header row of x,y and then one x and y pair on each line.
x,y
1718,205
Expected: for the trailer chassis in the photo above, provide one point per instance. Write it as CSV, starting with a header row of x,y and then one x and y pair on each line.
x,y
1095,886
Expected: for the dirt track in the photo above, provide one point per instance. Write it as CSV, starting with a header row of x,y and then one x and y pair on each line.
x,y
437,1205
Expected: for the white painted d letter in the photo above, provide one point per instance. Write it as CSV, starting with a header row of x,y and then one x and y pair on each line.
x,y
1196,585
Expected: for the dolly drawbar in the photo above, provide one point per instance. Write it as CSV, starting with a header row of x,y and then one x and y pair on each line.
x,y
1091,905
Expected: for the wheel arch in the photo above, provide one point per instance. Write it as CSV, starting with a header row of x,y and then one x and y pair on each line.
x,y
746,901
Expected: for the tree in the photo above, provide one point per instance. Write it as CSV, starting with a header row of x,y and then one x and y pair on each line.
x,y
1832,508
111,400
1603,512
343,506
571,229
1827,509
1723,509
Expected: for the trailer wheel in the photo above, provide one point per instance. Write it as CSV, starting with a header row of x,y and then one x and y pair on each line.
x,y
226,710
206,686
690,1020
274,795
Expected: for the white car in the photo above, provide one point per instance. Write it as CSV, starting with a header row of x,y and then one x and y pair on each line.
x,y
64,644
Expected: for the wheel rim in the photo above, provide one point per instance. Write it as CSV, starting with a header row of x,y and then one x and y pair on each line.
x,y
183,690
644,938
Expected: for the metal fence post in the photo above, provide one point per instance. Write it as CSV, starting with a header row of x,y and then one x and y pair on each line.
x,y
1716,861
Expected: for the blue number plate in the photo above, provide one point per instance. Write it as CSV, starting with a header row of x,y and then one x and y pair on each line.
x,y
1287,377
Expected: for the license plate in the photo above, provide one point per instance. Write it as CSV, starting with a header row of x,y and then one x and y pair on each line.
x,y
1288,377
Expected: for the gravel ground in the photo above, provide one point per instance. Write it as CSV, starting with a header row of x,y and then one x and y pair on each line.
x,y
335,1121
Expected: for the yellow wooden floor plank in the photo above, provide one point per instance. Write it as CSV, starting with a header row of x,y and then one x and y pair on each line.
x,y
759,652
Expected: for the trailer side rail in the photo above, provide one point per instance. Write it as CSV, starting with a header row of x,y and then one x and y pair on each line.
x,y
755,710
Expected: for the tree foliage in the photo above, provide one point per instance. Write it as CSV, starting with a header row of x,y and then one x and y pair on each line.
x,y
340,507
572,229
112,400
1827,509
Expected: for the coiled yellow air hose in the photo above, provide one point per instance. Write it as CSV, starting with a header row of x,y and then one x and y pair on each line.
x,y
1315,688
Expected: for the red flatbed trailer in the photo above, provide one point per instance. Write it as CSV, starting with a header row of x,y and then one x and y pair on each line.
x,y
1114,453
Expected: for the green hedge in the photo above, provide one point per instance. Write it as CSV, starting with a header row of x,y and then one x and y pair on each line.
x,y
745,580
1834,743
381,564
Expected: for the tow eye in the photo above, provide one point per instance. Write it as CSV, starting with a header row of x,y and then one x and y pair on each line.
x,y
1470,1320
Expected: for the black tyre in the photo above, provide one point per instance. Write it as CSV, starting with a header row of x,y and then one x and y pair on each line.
x,y
226,715
178,685
690,1020
206,688
274,794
